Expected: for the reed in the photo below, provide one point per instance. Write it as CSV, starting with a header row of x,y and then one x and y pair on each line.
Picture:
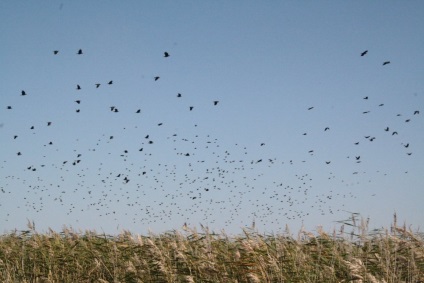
x,y
388,255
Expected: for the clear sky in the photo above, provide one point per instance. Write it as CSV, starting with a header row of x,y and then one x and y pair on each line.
x,y
281,71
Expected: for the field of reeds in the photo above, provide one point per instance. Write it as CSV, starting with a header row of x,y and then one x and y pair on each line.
x,y
391,255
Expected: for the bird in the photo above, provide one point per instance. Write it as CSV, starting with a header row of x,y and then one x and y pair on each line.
x,y
49,123
138,111
365,112
78,101
191,108
78,87
79,52
310,108
327,162
363,53
23,93
9,107
357,157
109,83
386,62
97,85
366,97
165,54
215,102
406,145
394,133
407,120
416,112
326,129
382,104
386,129
156,78
179,95
55,52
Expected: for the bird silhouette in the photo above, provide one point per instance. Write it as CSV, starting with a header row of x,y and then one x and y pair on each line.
x,y
310,108
23,93
386,62
326,129
97,85
366,97
363,53
179,95
78,87
78,101
110,82
191,108
165,54
215,102
55,52
416,112
79,52
157,78
138,111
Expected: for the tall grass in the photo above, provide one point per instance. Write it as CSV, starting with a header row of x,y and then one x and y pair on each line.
x,y
392,255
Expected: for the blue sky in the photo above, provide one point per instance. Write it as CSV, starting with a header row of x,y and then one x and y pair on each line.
x,y
259,154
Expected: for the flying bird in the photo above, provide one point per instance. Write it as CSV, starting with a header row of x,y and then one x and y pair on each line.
x,y
97,85
363,53
326,129
310,108
109,83
49,123
156,78
138,111
179,95
79,52
55,52
416,112
165,54
215,102
366,97
78,101
78,87
9,107
385,63
191,108
23,93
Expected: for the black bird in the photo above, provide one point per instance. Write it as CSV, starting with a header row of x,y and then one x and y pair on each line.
x,y
386,129
14,137
310,108
356,143
191,108
160,124
179,95
32,128
357,157
416,112
23,93
385,63
394,133
146,137
407,120
19,153
406,145
215,102
109,83
97,85
326,129
78,101
78,87
156,78
363,53
327,162
9,107
262,144
55,52
79,52
78,111
165,54
49,123
409,153
138,111
382,104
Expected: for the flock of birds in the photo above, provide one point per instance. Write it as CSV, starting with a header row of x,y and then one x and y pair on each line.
x,y
195,176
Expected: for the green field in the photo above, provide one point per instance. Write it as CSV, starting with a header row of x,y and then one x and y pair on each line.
x,y
349,254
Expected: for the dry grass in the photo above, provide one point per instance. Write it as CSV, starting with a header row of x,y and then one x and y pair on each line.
x,y
394,255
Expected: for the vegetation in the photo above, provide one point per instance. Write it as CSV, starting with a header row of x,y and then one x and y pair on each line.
x,y
390,255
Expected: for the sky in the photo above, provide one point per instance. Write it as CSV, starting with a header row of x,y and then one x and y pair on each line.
x,y
280,120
